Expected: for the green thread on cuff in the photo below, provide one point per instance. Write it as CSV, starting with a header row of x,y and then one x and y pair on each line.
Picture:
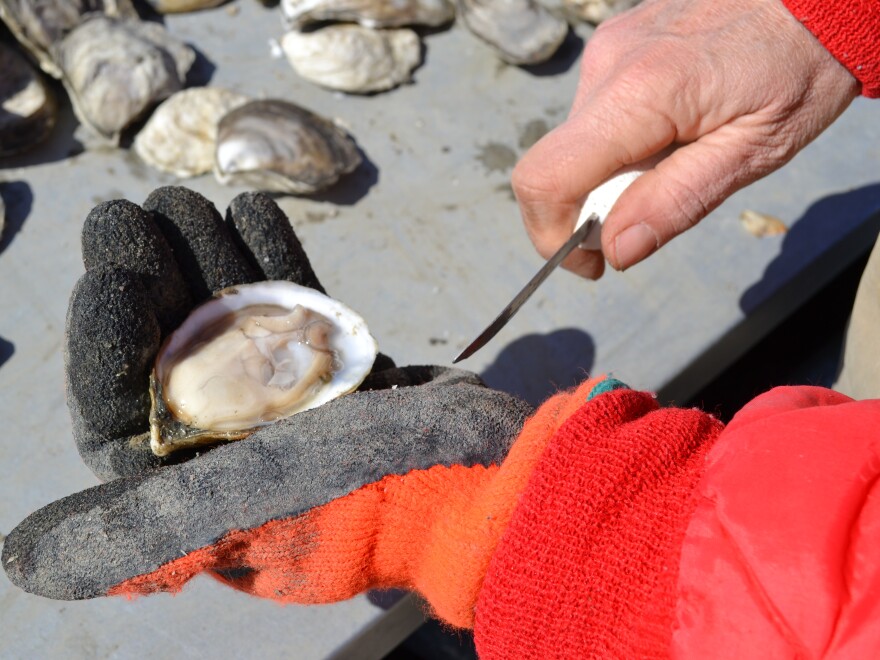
x,y
607,385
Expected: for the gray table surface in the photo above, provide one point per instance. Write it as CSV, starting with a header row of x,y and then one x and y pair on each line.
x,y
425,241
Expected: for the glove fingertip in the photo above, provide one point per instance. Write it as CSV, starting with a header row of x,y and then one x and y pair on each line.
x,y
201,242
120,233
267,238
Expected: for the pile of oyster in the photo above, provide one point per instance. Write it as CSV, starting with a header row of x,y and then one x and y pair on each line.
x,y
117,69
114,66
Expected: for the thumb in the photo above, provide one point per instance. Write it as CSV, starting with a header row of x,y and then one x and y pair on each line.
x,y
677,193
552,181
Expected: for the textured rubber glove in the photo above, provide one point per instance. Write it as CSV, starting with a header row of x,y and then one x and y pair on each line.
x,y
146,268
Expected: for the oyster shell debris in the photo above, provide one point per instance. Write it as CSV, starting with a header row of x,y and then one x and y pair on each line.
x,y
521,31
40,24
369,13
353,58
279,146
117,70
180,136
253,355
28,110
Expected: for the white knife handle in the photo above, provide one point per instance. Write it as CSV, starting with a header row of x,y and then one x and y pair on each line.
x,y
604,196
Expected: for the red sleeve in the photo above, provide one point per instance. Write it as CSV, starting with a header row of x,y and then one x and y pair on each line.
x,y
850,30
780,557
586,567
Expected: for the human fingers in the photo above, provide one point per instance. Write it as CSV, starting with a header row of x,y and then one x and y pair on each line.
x,y
742,85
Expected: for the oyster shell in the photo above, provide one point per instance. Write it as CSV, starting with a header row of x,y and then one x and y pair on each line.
x,y
521,31
117,70
40,24
181,135
369,13
596,11
352,58
28,109
253,355
278,146
182,6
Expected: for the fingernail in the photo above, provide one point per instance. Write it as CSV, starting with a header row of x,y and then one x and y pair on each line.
x,y
634,244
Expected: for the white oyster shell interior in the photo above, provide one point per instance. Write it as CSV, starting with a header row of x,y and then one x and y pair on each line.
x,y
261,352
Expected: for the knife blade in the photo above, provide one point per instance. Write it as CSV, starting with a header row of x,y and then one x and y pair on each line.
x,y
593,213
579,236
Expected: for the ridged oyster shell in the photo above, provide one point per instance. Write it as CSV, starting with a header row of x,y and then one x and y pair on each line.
x,y
28,109
369,13
521,31
181,135
252,355
117,70
40,24
352,58
279,146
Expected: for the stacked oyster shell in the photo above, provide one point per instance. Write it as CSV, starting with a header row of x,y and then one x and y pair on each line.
x,y
267,144
28,109
114,66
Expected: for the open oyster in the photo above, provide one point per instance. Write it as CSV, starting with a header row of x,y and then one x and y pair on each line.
x,y
117,70
181,135
252,355
278,146
28,110
369,13
521,31
352,58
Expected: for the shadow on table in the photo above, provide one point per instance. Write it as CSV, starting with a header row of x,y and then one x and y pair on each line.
x,y
535,366
805,251
18,198
7,348
563,59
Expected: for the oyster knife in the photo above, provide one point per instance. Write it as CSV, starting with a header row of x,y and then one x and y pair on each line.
x,y
579,236
594,211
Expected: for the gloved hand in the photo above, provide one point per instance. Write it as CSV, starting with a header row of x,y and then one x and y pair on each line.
x,y
438,485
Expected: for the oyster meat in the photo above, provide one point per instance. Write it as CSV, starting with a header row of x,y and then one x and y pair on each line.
x,y
40,24
278,146
181,135
353,58
521,31
252,355
117,70
28,110
369,13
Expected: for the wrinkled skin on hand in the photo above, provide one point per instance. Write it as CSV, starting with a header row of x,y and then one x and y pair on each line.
x,y
740,84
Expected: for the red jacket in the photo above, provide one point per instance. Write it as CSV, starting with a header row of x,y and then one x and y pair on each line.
x,y
758,540
850,30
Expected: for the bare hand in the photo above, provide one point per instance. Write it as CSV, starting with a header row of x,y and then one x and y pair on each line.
x,y
741,84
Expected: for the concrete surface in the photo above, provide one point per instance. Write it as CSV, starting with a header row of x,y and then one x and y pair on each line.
x,y
425,241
